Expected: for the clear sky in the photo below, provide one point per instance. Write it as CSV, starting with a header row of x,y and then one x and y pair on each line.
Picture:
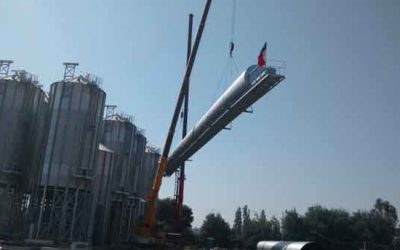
x,y
329,134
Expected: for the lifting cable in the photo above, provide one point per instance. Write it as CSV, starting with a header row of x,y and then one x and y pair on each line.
x,y
233,22
230,67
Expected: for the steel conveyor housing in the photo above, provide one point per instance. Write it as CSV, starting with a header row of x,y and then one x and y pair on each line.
x,y
250,86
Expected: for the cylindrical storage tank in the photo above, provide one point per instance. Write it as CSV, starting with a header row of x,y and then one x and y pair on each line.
x,y
236,90
119,136
103,176
134,167
102,193
23,106
145,177
76,111
149,170
139,156
287,245
38,135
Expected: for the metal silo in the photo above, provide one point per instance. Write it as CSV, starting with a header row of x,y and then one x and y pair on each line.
x,y
102,192
76,110
151,157
119,136
75,123
22,117
146,177
140,146
139,163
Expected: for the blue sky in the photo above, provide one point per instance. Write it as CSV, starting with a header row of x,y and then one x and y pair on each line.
x,y
329,134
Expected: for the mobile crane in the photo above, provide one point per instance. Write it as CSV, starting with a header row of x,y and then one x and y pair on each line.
x,y
250,86
149,230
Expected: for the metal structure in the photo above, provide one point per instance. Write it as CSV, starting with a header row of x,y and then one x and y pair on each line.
x,y
180,173
69,70
110,110
145,178
250,86
65,192
102,195
288,245
5,67
23,107
139,190
148,230
150,166
120,136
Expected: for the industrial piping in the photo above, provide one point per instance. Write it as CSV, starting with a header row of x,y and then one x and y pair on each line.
x,y
251,85
287,245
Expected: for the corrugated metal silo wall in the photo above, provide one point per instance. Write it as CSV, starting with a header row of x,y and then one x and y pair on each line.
x,y
22,119
65,193
119,136
154,166
149,171
139,160
76,112
38,136
130,178
143,182
102,190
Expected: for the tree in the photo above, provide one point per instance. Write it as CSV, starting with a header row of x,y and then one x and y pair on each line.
x,y
275,229
258,228
377,226
293,227
237,224
246,221
216,227
263,218
324,223
385,210
384,221
166,216
338,229
361,226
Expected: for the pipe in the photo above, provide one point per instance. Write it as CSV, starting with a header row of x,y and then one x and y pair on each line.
x,y
251,85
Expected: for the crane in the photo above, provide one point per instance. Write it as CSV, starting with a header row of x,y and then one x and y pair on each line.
x,y
149,220
250,86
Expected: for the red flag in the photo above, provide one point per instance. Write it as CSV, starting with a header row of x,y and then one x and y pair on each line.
x,y
262,56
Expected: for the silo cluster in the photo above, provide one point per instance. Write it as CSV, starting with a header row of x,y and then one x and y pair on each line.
x,y
67,172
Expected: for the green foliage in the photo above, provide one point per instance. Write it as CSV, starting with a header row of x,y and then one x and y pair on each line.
x,y
321,221
334,228
237,224
377,227
246,221
256,228
214,226
166,216
293,227
275,229
263,218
